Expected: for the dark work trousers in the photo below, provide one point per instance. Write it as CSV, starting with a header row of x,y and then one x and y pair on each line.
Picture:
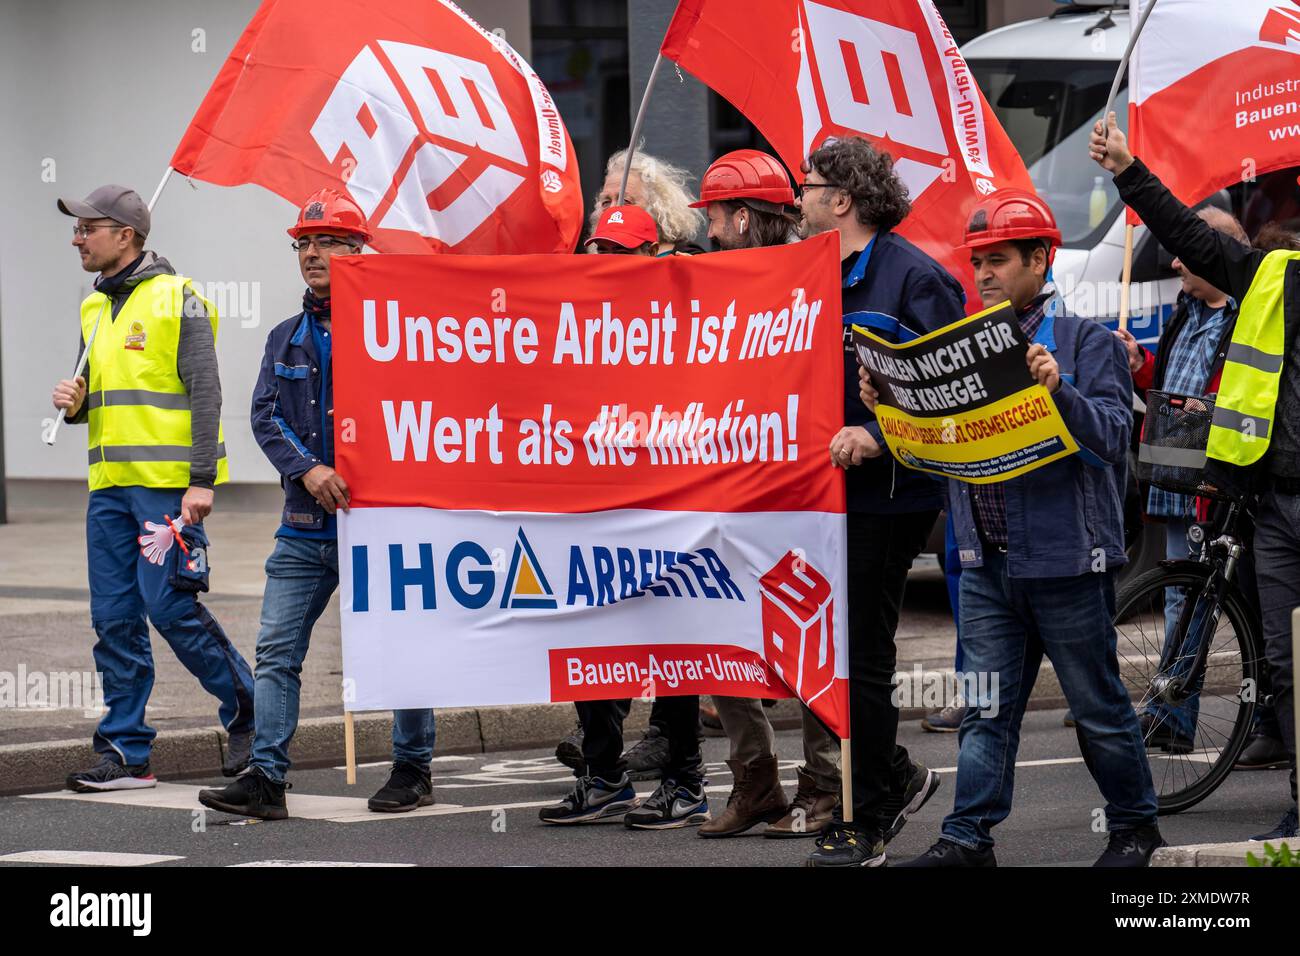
x,y
881,551
602,737
1277,571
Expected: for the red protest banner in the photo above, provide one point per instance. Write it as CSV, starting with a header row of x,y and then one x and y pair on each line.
x,y
605,470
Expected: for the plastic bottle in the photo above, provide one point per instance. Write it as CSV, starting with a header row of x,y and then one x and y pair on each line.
x,y
1097,203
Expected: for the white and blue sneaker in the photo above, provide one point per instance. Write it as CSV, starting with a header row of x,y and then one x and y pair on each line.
x,y
672,805
592,799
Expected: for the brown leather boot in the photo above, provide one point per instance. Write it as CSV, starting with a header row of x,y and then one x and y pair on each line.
x,y
756,797
810,810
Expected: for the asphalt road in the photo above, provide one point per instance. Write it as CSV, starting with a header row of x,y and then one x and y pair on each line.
x,y
487,815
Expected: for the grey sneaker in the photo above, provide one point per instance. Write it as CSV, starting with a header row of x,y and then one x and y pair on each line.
x,y
920,787
108,774
592,799
648,757
672,805
946,721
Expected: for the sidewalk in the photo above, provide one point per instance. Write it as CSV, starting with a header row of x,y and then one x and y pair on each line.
x,y
45,628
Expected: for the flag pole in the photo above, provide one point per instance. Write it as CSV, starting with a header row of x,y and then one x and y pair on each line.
x,y
1126,280
50,433
639,122
846,778
350,746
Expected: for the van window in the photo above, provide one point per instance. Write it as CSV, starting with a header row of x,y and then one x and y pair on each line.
x,y
1048,108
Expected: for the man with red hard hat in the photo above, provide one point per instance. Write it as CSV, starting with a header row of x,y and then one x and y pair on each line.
x,y
749,199
292,411
1039,554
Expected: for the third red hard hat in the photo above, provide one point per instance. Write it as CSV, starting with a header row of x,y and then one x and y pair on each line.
x,y
746,174
1010,214
329,212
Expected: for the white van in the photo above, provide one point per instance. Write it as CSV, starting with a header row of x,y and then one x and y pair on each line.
x,y
1047,80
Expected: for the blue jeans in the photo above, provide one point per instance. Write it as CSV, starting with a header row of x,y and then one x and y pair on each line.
x,y
1007,626
301,574
1182,720
125,588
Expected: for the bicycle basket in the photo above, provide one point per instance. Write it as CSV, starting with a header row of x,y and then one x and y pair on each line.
x,y
1174,436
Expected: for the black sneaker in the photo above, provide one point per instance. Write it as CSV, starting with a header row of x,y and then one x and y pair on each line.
x,y
841,844
408,787
1131,848
592,799
569,752
253,794
671,805
1285,830
108,774
1263,752
648,757
946,853
239,747
921,786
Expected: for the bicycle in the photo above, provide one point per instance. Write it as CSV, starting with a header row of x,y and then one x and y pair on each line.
x,y
1203,669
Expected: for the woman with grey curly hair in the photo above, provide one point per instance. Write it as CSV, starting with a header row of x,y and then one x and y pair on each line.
x,y
659,188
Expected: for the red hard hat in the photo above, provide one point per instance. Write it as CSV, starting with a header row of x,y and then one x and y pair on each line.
x,y
746,174
1010,214
328,212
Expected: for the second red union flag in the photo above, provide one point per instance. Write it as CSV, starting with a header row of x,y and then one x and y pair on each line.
x,y
887,70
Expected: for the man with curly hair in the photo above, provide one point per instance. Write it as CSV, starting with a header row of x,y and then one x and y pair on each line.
x,y
900,293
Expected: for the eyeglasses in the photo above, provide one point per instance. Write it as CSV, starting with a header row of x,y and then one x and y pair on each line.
x,y
807,186
323,243
83,232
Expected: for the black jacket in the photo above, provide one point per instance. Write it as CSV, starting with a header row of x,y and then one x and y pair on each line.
x,y
1228,265
901,284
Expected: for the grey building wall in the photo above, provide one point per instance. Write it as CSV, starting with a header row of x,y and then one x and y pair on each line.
x,y
99,92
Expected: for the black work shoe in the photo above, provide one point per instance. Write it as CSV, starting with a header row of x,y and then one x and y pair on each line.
x,y
946,721
1285,830
648,757
108,774
947,853
1131,848
1263,752
239,747
408,787
840,844
672,805
921,786
1160,734
569,752
253,794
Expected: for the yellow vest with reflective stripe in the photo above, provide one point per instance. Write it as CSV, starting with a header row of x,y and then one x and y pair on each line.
x,y
1243,411
138,410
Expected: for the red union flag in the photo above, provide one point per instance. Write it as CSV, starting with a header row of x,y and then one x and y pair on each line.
x,y
799,636
1220,73
441,133
887,70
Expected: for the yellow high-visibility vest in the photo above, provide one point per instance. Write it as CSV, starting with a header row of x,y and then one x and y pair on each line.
x,y
1243,411
138,410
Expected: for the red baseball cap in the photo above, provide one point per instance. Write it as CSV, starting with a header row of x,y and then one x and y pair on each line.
x,y
626,226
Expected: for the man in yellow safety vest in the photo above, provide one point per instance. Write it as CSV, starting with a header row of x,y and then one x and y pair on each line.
x,y
151,397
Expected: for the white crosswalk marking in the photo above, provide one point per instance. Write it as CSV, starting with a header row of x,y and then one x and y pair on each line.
x,y
86,858
312,863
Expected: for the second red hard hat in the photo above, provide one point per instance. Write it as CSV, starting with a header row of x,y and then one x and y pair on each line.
x,y
746,174
1010,214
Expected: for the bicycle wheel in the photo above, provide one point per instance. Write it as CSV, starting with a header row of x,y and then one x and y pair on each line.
x,y
1223,710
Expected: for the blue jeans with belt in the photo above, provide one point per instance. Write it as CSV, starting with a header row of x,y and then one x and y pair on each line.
x,y
125,589
1007,625
301,575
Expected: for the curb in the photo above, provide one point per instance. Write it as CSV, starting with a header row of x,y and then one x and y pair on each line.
x,y
318,741
1206,854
